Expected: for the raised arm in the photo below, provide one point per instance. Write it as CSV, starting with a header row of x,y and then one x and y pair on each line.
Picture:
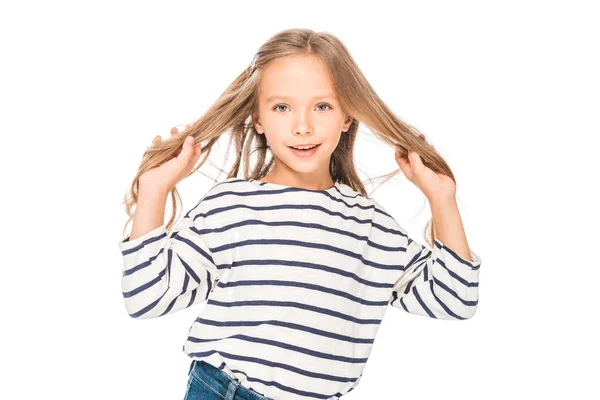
x,y
437,282
167,272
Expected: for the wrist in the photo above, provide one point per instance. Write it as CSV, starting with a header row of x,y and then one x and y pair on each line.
x,y
442,201
152,191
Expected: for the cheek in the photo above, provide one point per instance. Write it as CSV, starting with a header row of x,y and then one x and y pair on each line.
x,y
272,124
334,141
334,124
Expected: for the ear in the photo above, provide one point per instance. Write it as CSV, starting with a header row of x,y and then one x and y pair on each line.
x,y
347,123
257,124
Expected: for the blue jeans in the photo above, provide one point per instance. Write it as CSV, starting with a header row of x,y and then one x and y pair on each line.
x,y
205,382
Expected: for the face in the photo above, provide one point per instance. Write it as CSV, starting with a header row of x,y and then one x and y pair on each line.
x,y
298,106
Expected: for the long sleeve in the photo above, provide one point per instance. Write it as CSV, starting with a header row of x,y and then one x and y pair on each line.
x,y
164,273
436,282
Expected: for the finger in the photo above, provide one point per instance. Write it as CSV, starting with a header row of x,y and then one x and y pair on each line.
x,y
174,130
399,155
156,139
187,149
195,155
422,136
406,170
402,161
195,150
416,163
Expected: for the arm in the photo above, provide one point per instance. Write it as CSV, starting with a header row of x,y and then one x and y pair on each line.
x,y
438,282
149,211
448,226
166,272
442,282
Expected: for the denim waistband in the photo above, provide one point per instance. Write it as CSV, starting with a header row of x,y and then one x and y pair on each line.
x,y
221,382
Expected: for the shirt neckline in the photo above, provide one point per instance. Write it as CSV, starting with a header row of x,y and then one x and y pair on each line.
x,y
279,186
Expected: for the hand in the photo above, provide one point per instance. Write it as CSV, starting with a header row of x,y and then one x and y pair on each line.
x,y
433,185
167,175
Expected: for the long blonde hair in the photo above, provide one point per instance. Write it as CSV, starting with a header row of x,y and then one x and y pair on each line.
x,y
231,113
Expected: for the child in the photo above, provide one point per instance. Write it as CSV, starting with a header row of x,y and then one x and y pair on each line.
x,y
297,263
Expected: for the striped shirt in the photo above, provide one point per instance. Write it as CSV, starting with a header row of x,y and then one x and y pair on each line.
x,y
297,283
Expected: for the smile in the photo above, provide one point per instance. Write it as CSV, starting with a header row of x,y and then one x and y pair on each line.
x,y
305,151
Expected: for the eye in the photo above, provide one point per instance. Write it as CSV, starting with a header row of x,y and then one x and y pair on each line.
x,y
283,105
279,105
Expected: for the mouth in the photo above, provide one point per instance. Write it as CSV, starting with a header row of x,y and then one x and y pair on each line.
x,y
305,151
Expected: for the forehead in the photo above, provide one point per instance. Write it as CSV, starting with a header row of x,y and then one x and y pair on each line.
x,y
301,77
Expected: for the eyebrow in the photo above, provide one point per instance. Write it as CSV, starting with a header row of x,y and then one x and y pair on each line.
x,y
283,97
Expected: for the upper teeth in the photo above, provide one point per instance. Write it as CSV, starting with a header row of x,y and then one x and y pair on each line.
x,y
304,147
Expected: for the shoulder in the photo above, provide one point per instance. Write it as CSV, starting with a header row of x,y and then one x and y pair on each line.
x,y
223,186
216,196
384,218
355,200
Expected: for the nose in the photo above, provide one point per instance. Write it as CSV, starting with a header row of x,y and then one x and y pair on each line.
x,y
303,125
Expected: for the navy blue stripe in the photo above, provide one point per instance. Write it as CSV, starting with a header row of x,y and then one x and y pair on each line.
x,y
149,284
189,270
144,286
442,304
148,307
194,246
418,257
172,304
169,258
336,188
309,225
283,345
198,249
145,242
274,192
294,304
142,265
453,293
456,277
192,297
322,267
304,285
404,305
217,210
299,243
289,325
422,303
439,261
456,256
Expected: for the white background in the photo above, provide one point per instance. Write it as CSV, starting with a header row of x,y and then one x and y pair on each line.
x,y
507,92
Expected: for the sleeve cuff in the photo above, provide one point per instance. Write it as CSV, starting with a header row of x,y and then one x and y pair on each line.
x,y
475,259
156,234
